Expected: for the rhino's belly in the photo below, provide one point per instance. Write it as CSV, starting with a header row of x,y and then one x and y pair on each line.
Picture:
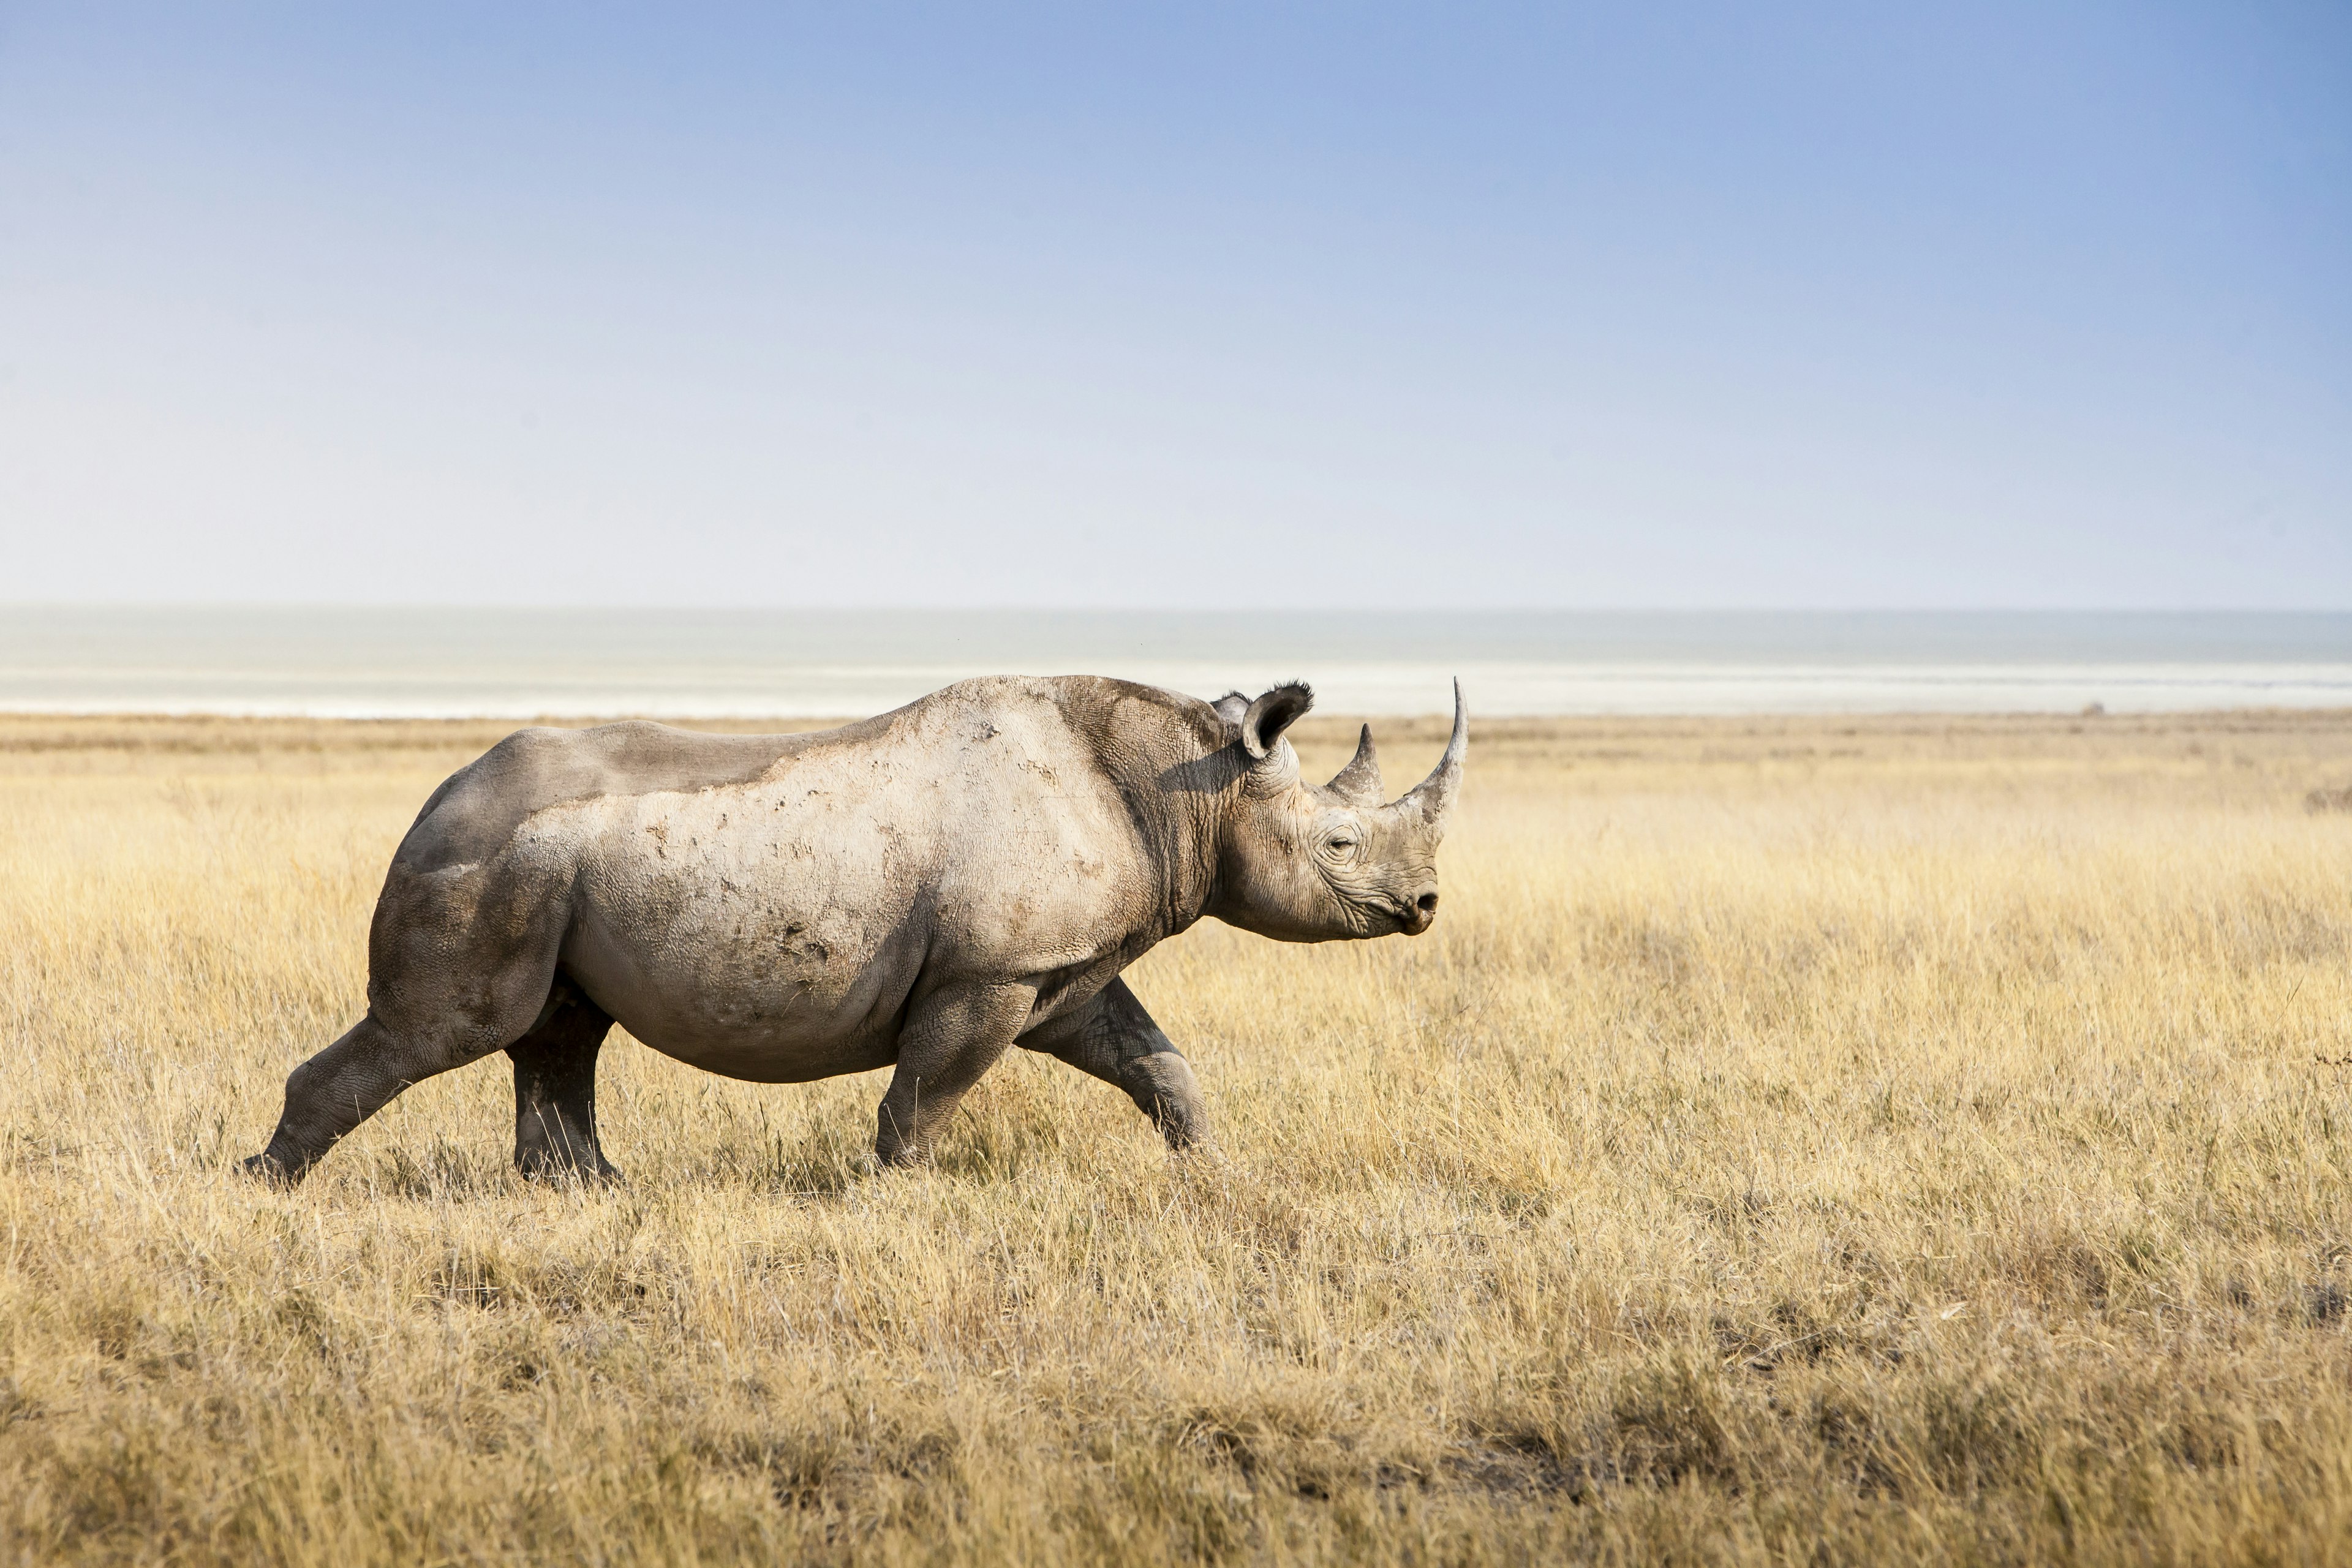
x,y
766,1052
770,995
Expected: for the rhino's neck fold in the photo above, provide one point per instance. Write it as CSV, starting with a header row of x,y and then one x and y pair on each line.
x,y
1185,838
1175,769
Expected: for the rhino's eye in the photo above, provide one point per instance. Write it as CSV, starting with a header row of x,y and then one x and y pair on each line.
x,y
1342,844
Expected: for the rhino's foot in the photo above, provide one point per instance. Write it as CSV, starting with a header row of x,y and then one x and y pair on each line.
x,y
594,1171
1186,1131
902,1155
267,1168
1202,1168
1163,1087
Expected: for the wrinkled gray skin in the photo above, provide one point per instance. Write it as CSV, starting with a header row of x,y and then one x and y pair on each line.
x,y
920,890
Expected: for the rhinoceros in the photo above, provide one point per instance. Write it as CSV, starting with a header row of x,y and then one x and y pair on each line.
x,y
916,891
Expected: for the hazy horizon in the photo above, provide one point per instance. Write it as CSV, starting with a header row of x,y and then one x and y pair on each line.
x,y
524,663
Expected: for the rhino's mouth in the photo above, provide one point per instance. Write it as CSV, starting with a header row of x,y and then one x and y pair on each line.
x,y
1379,914
1411,916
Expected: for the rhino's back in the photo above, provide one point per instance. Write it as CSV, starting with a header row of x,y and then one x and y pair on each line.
x,y
478,809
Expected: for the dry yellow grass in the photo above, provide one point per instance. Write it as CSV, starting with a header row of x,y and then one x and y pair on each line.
x,y
1824,1141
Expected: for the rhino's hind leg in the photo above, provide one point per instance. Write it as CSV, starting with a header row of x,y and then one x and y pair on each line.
x,y
336,1090
1114,1039
555,1090
458,968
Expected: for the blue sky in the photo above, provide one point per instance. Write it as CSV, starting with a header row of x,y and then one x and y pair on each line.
x,y
1802,306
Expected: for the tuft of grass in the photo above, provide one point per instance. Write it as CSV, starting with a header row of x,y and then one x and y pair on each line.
x,y
1845,1140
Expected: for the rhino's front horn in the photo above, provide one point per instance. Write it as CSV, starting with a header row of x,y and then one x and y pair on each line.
x,y
1358,784
1432,798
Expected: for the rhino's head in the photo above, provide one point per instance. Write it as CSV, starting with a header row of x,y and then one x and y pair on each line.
x,y
1309,864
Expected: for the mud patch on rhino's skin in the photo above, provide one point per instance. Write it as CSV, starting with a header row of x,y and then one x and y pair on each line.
x,y
795,942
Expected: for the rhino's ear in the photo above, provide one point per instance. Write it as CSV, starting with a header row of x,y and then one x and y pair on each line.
x,y
1270,714
1231,707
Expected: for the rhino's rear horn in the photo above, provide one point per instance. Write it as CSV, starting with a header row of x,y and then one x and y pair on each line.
x,y
1358,784
1270,714
1432,798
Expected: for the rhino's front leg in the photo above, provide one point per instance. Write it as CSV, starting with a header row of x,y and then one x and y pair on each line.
x,y
951,1038
1113,1038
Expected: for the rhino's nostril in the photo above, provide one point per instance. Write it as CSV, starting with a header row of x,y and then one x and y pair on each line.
x,y
1426,903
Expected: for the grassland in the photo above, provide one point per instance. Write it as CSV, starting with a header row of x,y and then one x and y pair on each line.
x,y
1881,1142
